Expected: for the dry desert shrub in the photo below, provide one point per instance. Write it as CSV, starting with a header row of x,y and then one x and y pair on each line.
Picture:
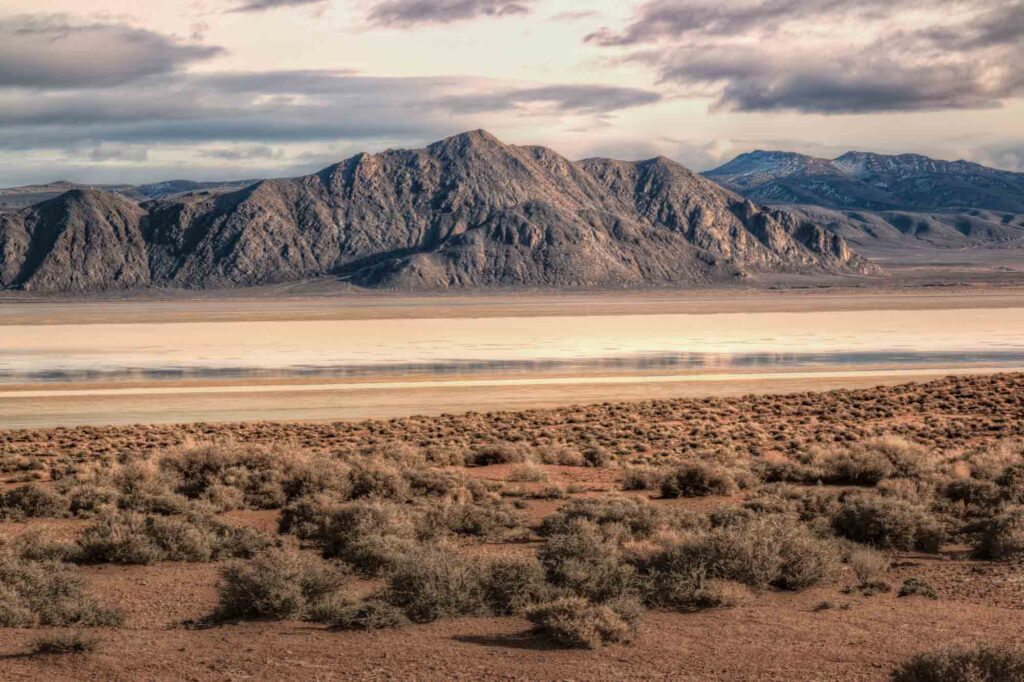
x,y
433,582
587,561
527,473
888,523
10,464
984,663
45,593
697,480
30,502
370,536
132,538
238,475
861,466
908,459
636,518
597,456
675,580
868,565
512,584
500,453
772,551
37,545
989,461
640,478
1001,537
563,455
485,520
278,584
575,622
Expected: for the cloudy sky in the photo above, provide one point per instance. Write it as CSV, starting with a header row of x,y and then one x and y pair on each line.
x,y
132,91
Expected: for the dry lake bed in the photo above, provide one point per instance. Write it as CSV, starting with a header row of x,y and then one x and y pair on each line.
x,y
346,357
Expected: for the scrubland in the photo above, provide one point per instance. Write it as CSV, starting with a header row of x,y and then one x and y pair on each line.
x,y
867,534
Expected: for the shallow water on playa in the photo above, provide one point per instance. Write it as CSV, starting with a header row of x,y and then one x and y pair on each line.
x,y
567,346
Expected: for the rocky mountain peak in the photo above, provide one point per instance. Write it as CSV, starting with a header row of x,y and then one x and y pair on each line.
x,y
467,211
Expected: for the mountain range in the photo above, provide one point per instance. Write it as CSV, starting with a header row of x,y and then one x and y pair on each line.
x,y
872,182
467,211
15,198
885,205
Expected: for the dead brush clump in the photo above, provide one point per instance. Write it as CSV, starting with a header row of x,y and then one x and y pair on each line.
x,y
983,663
306,516
47,593
597,456
973,497
888,523
374,613
865,463
868,565
576,623
676,580
132,538
277,584
64,643
444,485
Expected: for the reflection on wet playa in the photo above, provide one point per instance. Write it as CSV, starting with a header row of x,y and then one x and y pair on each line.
x,y
638,364
566,346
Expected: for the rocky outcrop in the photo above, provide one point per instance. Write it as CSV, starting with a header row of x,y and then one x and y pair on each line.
x,y
83,240
464,212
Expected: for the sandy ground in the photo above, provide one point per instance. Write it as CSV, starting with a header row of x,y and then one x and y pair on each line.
x,y
325,402
19,309
775,636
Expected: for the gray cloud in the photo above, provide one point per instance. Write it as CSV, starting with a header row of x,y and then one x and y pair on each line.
x,y
242,153
280,107
265,5
870,80
567,98
754,56
405,13
56,52
662,19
